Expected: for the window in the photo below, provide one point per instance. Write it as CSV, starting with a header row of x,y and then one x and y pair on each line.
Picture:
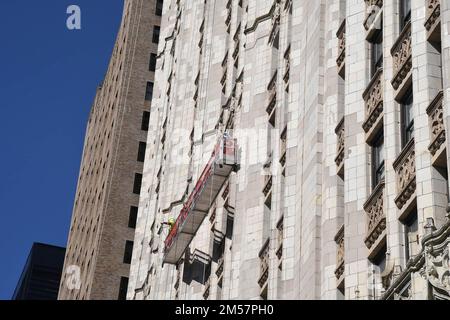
x,y
407,119
123,288
149,91
145,120
378,160
377,52
141,152
156,31
137,183
152,65
380,260
379,266
133,217
405,13
159,8
411,236
128,252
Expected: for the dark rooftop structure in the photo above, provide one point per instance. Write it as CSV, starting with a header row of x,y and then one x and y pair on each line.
x,y
42,273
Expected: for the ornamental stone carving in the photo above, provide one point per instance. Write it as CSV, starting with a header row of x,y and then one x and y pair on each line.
x,y
220,265
402,55
432,264
276,16
264,265
373,97
341,49
433,15
405,168
438,269
340,133
372,9
268,180
376,219
436,121
207,290
280,235
287,66
340,262
272,89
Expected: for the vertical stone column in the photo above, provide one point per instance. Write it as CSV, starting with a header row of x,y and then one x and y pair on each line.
x,y
431,193
356,170
290,270
445,37
249,235
332,187
394,229
309,154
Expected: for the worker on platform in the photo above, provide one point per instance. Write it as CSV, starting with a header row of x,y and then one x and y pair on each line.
x,y
171,223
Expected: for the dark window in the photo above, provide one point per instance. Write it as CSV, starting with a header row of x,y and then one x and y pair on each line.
x,y
149,91
156,31
152,65
128,252
137,183
145,120
159,7
411,235
407,119
123,288
405,13
141,151
377,52
133,217
380,260
378,160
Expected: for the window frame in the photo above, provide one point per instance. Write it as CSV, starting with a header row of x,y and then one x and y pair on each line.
x,y
148,94
128,255
152,62
137,183
132,219
376,54
159,8
405,13
145,121
155,37
142,148
123,288
411,226
407,121
378,160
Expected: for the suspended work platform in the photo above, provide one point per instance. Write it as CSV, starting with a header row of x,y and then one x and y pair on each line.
x,y
221,164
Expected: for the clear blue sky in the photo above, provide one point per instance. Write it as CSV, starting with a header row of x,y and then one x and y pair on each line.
x,y
48,77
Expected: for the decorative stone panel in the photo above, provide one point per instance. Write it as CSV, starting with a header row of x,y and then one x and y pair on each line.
x,y
340,132
264,265
433,20
376,218
435,113
340,262
402,55
373,7
405,169
341,49
373,97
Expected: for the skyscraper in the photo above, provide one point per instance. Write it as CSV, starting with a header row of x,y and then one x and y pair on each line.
x,y
101,235
297,150
41,274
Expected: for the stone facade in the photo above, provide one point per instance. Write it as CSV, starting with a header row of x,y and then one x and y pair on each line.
x,y
339,112
112,157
